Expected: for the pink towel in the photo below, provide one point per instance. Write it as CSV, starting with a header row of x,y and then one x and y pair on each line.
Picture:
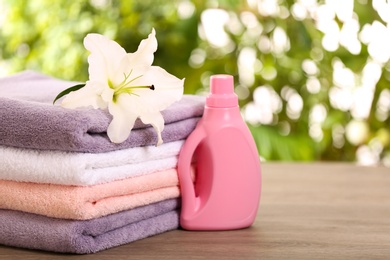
x,y
87,202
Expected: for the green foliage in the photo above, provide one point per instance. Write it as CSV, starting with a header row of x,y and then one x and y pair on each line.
x,y
47,36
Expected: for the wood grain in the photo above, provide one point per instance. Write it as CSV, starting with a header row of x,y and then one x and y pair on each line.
x,y
307,211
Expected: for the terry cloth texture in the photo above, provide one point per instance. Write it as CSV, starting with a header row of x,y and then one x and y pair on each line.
x,y
27,230
73,168
30,120
87,202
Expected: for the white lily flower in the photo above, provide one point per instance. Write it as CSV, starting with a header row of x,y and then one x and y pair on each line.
x,y
127,84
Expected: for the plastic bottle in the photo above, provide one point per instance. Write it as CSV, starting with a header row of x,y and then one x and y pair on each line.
x,y
226,192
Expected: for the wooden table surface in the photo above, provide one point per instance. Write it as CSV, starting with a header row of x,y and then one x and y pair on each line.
x,y
307,211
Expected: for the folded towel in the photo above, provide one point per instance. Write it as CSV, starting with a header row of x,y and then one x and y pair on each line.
x,y
29,120
87,202
72,168
26,230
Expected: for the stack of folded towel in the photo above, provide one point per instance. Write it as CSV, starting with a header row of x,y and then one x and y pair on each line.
x,y
66,188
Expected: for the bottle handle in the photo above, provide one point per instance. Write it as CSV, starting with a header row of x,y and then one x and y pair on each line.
x,y
190,203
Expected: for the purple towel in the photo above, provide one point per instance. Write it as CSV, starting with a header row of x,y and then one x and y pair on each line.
x,y
29,120
27,230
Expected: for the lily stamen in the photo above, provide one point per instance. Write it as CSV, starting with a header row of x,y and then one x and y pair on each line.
x,y
129,90
124,83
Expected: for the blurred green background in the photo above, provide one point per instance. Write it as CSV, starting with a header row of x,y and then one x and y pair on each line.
x,y
312,76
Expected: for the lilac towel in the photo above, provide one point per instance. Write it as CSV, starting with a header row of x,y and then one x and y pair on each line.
x,y
27,230
29,120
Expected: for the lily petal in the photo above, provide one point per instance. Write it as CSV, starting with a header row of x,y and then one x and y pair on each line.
x,y
105,58
157,121
122,120
144,55
167,88
87,96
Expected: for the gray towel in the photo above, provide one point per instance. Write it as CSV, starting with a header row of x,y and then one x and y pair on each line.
x,y
27,230
28,119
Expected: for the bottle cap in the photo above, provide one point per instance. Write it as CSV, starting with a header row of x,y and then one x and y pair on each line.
x,y
222,92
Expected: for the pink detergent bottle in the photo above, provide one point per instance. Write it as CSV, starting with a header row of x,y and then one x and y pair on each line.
x,y
226,192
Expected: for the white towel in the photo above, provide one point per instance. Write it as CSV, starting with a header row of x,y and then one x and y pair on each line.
x,y
82,169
